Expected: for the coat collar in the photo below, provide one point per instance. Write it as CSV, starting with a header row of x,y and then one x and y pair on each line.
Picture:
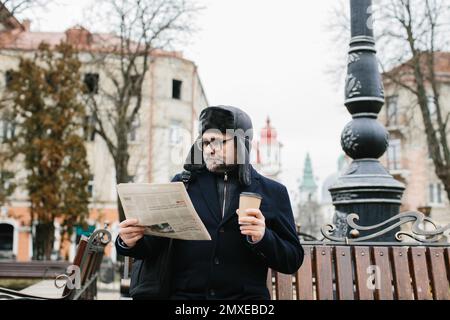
x,y
207,183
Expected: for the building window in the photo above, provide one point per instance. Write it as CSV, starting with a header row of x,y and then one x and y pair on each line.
x,y
91,186
135,88
52,81
175,135
394,155
6,240
439,193
391,111
8,78
132,134
435,193
7,129
6,182
176,89
431,103
91,82
89,128
140,175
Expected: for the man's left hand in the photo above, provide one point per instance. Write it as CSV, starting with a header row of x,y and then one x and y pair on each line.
x,y
253,224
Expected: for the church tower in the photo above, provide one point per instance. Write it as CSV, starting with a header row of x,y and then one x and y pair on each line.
x,y
308,186
268,152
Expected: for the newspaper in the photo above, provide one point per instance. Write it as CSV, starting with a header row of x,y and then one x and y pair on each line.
x,y
165,209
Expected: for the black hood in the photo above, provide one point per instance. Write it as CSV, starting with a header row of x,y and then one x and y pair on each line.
x,y
225,118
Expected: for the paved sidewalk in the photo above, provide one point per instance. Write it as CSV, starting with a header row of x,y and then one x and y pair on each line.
x,y
108,291
44,288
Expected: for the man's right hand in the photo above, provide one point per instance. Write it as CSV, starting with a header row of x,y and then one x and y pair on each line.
x,y
130,232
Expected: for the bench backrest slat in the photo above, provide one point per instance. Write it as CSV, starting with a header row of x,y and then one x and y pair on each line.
x,y
269,282
324,273
362,264
439,279
344,273
100,256
402,276
383,274
283,286
304,276
81,248
32,269
447,257
87,266
419,267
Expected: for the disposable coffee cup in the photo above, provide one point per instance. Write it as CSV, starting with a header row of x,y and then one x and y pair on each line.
x,y
248,200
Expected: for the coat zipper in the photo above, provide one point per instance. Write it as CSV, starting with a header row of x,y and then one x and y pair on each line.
x,y
225,179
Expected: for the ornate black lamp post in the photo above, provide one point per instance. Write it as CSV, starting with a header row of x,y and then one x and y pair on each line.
x,y
366,188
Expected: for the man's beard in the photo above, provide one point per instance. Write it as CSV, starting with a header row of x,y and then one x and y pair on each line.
x,y
216,165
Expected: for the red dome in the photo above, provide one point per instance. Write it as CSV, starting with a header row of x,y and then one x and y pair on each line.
x,y
268,133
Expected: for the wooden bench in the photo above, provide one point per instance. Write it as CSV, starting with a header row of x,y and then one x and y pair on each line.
x,y
367,272
32,269
77,281
341,268
353,269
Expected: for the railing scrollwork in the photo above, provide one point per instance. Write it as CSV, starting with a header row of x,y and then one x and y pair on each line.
x,y
423,229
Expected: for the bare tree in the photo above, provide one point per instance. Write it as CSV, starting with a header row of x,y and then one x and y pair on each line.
x,y
310,218
411,38
338,26
138,29
19,6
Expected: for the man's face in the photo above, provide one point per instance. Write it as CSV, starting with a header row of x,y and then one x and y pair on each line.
x,y
218,150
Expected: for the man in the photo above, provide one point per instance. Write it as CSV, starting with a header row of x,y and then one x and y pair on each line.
x,y
234,264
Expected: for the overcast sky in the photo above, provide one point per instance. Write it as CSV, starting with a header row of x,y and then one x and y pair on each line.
x,y
269,58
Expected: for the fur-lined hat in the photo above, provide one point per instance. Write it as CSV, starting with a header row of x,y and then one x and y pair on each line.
x,y
227,119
